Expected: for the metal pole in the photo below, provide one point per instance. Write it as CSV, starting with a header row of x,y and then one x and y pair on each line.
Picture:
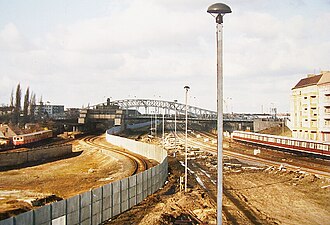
x,y
151,123
186,147
220,10
220,120
155,122
175,101
163,136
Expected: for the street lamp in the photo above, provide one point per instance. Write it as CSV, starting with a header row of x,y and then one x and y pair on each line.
x,y
151,127
218,10
175,101
186,149
163,136
155,122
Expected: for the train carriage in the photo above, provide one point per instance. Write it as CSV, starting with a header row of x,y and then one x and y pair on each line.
x,y
32,137
286,143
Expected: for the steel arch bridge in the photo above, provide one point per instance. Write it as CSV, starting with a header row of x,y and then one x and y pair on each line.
x,y
169,107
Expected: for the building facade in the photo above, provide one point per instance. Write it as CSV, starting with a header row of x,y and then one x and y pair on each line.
x,y
51,110
310,107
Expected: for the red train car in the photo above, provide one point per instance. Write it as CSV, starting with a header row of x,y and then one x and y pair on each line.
x,y
32,137
286,143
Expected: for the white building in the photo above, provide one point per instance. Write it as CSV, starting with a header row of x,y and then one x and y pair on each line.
x,y
51,110
310,107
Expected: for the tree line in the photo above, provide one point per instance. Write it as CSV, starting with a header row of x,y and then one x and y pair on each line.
x,y
27,113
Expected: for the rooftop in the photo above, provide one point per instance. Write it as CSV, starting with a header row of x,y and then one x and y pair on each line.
x,y
312,80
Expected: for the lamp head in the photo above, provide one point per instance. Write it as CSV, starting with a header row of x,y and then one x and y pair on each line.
x,y
219,10
186,87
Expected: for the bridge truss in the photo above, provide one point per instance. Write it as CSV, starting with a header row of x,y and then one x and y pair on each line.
x,y
169,107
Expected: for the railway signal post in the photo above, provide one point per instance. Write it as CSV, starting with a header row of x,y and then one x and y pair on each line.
x,y
218,10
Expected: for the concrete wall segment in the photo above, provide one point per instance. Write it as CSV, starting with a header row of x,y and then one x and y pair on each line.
x,y
58,209
85,199
85,213
100,204
42,215
9,221
97,194
116,186
33,155
24,218
73,218
72,204
107,190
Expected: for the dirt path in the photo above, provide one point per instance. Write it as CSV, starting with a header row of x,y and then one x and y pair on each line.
x,y
87,169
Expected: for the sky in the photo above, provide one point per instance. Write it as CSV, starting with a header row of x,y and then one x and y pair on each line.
x,y
80,52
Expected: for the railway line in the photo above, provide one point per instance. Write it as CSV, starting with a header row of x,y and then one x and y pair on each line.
x,y
235,207
139,163
301,164
235,210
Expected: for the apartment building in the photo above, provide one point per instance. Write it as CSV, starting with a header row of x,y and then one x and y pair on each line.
x,y
310,107
51,110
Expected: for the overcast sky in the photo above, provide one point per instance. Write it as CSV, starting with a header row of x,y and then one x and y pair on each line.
x,y
79,52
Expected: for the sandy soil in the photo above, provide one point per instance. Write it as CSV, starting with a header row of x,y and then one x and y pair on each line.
x,y
252,195
86,168
170,206
282,197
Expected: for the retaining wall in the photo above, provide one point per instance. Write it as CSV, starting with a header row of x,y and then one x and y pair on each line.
x,y
32,155
103,203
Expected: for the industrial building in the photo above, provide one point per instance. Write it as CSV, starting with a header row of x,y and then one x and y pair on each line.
x,y
310,107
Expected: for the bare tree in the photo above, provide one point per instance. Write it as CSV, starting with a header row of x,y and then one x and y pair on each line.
x,y
32,104
26,104
12,98
17,109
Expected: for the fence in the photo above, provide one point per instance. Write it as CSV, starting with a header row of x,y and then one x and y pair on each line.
x,y
103,203
15,158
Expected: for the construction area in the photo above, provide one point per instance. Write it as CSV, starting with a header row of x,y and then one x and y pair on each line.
x,y
254,193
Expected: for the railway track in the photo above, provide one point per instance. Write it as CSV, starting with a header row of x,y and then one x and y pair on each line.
x,y
299,164
232,203
237,209
139,162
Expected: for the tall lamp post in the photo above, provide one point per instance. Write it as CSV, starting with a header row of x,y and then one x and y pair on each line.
x,y
155,122
218,10
175,101
163,136
186,149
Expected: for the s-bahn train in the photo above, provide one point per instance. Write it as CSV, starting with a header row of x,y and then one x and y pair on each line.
x,y
285,143
32,137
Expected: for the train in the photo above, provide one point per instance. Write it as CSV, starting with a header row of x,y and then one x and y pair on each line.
x,y
295,145
25,139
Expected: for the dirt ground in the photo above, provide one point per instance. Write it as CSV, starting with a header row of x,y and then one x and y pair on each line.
x,y
86,168
169,205
282,197
253,194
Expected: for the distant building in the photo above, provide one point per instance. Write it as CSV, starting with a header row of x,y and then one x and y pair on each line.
x,y
51,110
4,110
310,107
7,131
